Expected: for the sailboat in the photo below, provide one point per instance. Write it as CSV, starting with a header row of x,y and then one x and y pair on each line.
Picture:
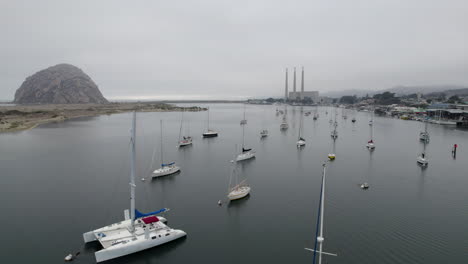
x,y
370,144
316,115
422,159
284,124
243,121
209,133
246,153
183,140
444,122
424,135
319,230
334,133
139,231
300,141
240,189
166,168
264,132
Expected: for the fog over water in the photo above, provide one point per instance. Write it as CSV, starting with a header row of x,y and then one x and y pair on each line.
x,y
214,49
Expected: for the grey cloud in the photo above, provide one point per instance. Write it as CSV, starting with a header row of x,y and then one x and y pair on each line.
x,y
220,49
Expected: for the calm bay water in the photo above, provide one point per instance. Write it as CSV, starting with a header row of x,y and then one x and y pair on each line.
x,y
61,180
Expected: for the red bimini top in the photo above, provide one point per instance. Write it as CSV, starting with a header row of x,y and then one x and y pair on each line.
x,y
150,219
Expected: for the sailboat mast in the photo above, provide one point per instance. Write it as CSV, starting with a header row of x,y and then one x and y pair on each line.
x,y
244,111
181,122
162,160
322,213
243,137
132,173
208,118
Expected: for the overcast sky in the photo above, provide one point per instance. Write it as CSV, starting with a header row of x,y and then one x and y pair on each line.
x,y
234,49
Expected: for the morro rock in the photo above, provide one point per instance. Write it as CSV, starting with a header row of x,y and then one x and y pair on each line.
x,y
59,84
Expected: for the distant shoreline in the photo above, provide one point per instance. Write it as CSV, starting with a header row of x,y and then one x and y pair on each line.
x,y
23,117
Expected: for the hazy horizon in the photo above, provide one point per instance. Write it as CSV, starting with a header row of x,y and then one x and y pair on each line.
x,y
211,49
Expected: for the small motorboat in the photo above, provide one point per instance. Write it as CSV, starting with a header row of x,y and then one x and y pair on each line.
x,y
365,186
331,156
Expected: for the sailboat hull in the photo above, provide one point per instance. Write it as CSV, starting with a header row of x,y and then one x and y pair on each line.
x,y
164,171
239,193
422,161
210,134
245,156
184,143
370,146
300,143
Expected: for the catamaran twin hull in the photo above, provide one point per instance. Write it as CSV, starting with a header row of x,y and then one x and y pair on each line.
x,y
117,240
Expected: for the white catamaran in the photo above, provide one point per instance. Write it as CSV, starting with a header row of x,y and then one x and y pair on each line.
x,y
166,168
138,231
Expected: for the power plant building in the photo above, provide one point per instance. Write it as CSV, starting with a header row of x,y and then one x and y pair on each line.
x,y
294,95
314,95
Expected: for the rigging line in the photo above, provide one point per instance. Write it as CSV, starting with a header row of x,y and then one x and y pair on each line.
x,y
318,219
152,157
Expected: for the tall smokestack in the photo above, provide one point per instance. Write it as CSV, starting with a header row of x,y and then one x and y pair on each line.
x,y
302,84
294,83
286,86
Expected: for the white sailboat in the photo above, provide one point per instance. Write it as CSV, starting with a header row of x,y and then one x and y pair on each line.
x,y
183,140
371,121
371,144
284,124
243,121
209,133
138,231
166,168
444,122
320,235
334,133
246,153
424,135
300,141
240,189
264,132
422,159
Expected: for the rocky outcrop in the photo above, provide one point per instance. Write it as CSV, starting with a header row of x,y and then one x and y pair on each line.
x,y
59,84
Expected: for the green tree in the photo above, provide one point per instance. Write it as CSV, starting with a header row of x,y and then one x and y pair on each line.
x,y
453,99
